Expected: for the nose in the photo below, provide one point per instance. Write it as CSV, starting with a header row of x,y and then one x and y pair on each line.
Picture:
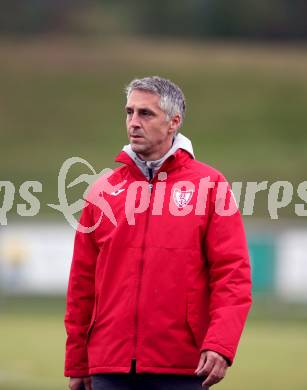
x,y
134,120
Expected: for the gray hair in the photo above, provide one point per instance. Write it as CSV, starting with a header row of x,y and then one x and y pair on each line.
x,y
172,100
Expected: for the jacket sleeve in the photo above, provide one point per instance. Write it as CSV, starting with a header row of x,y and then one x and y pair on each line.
x,y
229,274
80,298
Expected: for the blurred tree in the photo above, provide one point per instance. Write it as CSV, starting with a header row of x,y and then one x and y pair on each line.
x,y
20,17
224,18
256,19
253,19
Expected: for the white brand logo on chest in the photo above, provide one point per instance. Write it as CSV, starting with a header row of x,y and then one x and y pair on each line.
x,y
115,193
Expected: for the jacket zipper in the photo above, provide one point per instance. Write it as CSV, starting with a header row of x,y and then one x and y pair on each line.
x,y
140,271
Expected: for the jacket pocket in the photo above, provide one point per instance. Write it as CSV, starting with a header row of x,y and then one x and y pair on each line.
x,y
93,320
194,318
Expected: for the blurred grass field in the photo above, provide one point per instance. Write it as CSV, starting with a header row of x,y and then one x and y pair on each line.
x,y
272,353
246,106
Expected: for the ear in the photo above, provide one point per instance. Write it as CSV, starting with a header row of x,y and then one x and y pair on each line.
x,y
174,123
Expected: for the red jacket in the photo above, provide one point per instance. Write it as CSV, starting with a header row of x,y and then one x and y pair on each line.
x,y
160,288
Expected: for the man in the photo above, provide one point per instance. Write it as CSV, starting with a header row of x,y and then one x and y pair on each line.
x,y
160,290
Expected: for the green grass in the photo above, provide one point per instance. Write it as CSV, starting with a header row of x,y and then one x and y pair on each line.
x,y
32,352
272,356
246,107
272,353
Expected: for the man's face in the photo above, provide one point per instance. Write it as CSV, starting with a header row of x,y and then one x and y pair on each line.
x,y
149,133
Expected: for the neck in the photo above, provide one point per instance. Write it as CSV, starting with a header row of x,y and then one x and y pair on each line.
x,y
158,154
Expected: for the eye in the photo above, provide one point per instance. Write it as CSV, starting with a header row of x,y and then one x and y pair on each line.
x,y
145,113
129,111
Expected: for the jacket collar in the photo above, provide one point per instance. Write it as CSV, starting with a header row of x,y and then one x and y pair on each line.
x,y
180,152
176,160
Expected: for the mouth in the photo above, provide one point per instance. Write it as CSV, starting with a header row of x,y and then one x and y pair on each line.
x,y
134,137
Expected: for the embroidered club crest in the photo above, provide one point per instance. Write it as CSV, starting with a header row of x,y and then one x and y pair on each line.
x,y
182,198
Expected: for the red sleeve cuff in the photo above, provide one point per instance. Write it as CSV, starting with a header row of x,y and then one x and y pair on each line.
x,y
228,355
